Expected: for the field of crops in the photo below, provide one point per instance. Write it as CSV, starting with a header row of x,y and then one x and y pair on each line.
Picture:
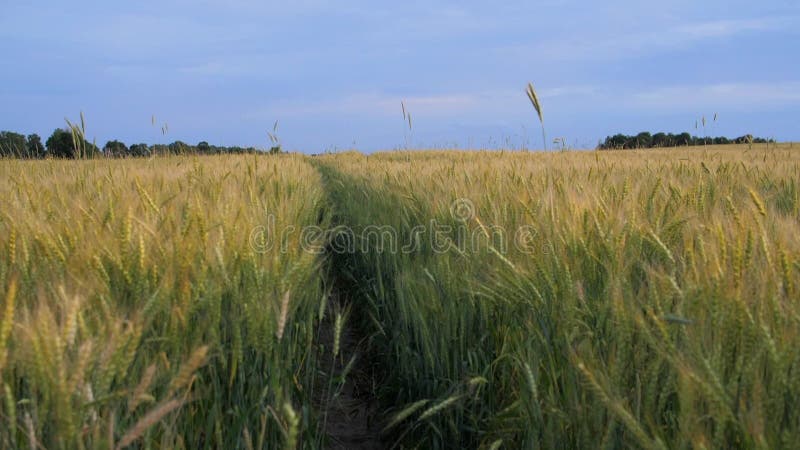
x,y
650,301
137,309
645,299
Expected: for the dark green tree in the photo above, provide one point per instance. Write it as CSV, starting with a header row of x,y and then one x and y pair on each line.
x,y
663,140
159,150
139,150
618,141
115,149
12,144
60,145
644,140
203,147
683,139
659,140
34,146
178,148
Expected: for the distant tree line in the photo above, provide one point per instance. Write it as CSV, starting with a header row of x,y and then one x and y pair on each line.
x,y
66,144
647,140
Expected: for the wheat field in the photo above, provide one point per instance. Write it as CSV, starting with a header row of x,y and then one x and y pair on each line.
x,y
619,299
137,310
652,303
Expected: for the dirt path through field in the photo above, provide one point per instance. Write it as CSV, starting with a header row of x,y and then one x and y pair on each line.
x,y
352,417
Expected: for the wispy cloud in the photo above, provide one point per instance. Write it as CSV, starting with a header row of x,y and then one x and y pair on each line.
x,y
372,103
725,28
580,91
623,46
451,104
731,96
152,36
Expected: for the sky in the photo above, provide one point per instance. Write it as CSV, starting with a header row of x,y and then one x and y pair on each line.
x,y
333,74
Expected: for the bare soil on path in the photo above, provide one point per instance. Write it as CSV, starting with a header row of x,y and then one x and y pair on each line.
x,y
352,417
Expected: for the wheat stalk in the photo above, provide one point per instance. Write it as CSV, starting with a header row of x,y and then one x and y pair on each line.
x,y
538,107
283,314
151,418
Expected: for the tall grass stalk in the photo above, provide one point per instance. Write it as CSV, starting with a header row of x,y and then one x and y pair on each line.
x,y
538,108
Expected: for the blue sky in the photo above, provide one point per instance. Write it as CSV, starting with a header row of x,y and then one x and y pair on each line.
x,y
333,74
